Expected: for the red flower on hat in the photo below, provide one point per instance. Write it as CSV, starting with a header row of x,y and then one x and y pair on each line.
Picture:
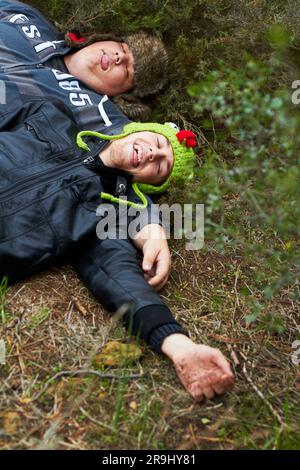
x,y
75,38
188,136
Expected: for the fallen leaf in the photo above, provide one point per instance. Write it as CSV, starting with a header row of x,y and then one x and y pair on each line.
x,y
133,405
20,358
117,354
205,420
81,309
11,422
24,400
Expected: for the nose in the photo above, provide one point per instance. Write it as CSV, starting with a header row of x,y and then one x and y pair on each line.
x,y
119,58
154,153
151,154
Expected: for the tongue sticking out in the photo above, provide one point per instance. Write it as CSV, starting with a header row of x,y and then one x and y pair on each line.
x,y
104,61
134,158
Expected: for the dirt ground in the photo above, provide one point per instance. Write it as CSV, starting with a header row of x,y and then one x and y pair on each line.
x,y
53,327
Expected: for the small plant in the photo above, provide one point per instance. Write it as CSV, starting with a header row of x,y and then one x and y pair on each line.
x,y
3,290
40,317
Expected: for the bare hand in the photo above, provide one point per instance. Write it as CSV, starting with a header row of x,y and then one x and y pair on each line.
x,y
202,370
156,263
156,255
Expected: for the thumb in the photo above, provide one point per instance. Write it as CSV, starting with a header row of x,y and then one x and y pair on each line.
x,y
149,258
223,364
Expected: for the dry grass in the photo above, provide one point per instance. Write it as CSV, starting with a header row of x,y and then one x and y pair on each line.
x,y
53,324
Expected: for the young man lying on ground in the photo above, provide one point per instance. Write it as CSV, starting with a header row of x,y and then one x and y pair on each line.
x,y
134,66
49,194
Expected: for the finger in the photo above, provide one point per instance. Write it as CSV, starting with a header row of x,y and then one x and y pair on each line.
x,y
162,273
158,286
221,362
203,387
219,387
153,280
149,259
151,273
208,392
227,381
198,396
217,383
150,277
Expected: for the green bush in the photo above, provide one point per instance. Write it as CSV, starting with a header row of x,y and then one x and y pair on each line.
x,y
252,191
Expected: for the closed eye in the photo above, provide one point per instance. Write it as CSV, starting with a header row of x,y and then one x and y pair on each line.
x,y
126,68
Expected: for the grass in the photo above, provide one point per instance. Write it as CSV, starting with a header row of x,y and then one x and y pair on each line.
x,y
37,319
3,290
210,293
152,412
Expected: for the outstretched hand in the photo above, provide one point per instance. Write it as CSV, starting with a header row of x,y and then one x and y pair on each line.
x,y
203,371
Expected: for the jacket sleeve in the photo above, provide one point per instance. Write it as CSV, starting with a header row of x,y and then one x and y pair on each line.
x,y
111,270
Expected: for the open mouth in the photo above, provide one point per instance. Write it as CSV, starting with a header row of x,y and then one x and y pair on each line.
x,y
104,61
137,156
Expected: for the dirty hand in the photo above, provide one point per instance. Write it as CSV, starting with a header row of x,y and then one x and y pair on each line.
x,y
156,255
202,370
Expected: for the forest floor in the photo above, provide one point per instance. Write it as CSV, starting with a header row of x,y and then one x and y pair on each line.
x,y
53,326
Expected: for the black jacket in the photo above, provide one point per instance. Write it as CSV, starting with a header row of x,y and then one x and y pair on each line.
x,y
49,193
28,45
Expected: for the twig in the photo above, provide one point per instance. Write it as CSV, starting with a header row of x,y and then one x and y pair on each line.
x,y
74,373
233,355
263,398
20,359
225,339
235,284
214,439
81,309
15,295
179,255
98,423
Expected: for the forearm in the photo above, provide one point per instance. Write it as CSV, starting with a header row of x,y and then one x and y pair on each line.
x,y
112,272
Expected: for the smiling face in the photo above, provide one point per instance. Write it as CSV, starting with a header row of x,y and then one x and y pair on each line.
x,y
106,66
146,155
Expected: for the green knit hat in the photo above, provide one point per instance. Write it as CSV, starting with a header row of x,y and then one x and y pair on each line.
x,y
182,143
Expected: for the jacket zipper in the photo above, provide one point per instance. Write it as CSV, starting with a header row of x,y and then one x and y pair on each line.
x,y
30,181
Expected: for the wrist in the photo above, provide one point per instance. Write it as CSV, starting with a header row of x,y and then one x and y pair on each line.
x,y
150,232
175,345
